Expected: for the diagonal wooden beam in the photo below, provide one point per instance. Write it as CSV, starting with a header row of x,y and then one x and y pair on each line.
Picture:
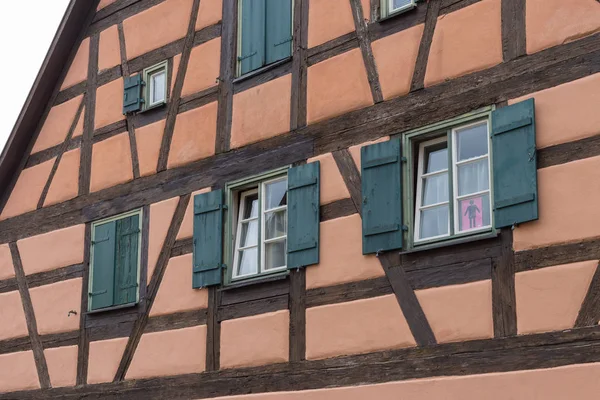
x,y
36,342
157,276
351,176
433,11
589,313
175,99
513,29
364,41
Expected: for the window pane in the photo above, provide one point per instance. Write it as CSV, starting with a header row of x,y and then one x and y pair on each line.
x,y
435,189
248,262
275,255
473,177
474,212
436,158
275,224
276,193
472,142
249,234
157,87
434,222
250,206
396,4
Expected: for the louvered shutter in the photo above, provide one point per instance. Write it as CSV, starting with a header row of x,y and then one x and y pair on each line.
x,y
208,239
252,53
382,197
278,30
515,164
126,271
132,97
303,215
101,293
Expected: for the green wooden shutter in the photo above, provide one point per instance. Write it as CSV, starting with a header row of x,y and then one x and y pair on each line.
x,y
126,269
303,215
132,97
208,239
279,30
102,285
252,55
515,164
382,197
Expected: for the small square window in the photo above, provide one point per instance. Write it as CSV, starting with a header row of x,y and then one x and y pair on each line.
x,y
260,228
155,90
390,7
452,182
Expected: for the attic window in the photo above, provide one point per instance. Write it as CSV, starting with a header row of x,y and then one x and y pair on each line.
x,y
155,90
391,7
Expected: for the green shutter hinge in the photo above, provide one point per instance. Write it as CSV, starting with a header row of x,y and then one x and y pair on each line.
x,y
405,228
403,159
283,42
242,58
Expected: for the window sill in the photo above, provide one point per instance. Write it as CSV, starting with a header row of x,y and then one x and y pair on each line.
x,y
261,70
274,277
453,242
395,14
113,308
154,107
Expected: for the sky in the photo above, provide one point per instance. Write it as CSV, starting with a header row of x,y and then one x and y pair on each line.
x,y
27,28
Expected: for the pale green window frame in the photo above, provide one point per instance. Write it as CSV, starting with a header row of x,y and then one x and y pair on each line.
x,y
387,9
128,214
408,140
147,75
232,189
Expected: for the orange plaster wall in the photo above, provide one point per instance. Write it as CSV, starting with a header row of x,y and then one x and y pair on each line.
x,y
109,104
176,352
111,162
203,67
149,139
175,293
109,49
549,299
28,189
52,250
261,112
104,358
332,184
78,70
156,26
553,22
327,20
6,265
104,3
187,225
65,184
57,125
355,150
366,6
12,317
161,215
568,206
52,303
18,372
465,41
355,327
566,112
336,86
396,68
62,365
341,258
210,13
257,340
194,135
459,312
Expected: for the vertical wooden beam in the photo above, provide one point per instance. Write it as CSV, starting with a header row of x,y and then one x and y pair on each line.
x,y
159,271
36,342
175,99
433,11
62,151
213,333
228,54
130,128
84,343
85,165
299,65
375,10
365,47
503,288
514,42
351,176
297,306
589,313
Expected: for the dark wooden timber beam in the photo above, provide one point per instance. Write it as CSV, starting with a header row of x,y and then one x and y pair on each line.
x,y
513,29
433,11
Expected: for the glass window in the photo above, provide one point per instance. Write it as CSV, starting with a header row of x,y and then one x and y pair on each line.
x,y
261,229
389,7
155,91
453,183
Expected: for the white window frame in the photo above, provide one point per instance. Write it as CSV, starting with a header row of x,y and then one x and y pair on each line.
x,y
147,75
387,8
419,195
259,188
455,163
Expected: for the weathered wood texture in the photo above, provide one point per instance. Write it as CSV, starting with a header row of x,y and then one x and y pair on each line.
x,y
83,345
589,313
504,303
583,250
297,307
299,65
213,331
351,176
433,10
85,164
178,320
513,29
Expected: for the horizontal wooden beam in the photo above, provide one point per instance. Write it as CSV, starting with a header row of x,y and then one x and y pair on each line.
x,y
557,255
